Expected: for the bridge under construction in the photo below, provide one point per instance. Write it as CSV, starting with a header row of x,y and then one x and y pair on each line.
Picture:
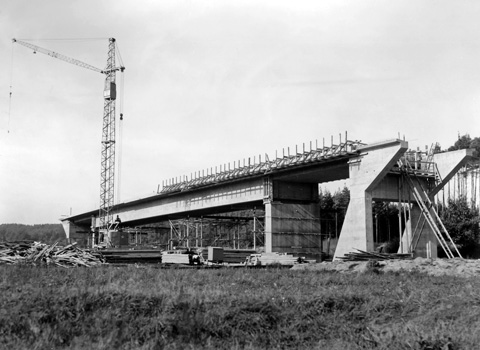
x,y
274,204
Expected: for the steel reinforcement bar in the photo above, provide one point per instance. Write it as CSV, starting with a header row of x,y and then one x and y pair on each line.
x,y
318,154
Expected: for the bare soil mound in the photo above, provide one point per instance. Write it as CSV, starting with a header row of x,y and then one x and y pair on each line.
x,y
435,267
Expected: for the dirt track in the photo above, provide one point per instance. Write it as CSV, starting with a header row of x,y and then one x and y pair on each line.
x,y
436,267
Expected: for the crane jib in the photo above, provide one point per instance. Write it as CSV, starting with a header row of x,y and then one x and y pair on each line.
x,y
67,59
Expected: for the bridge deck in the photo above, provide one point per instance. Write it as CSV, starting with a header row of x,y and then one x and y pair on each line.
x,y
287,162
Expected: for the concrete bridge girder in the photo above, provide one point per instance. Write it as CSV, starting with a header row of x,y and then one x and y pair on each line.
x,y
295,184
184,204
160,208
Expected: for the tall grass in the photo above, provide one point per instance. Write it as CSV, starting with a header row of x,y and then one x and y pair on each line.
x,y
148,308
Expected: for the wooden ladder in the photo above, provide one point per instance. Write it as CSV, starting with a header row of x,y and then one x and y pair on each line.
x,y
429,214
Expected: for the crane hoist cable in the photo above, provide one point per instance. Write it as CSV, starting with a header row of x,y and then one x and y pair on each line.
x,y
120,141
107,176
120,131
10,93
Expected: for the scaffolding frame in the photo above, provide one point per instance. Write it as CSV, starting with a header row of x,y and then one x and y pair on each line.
x,y
193,232
429,214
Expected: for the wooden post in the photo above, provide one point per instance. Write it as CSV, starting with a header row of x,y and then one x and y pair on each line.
x,y
400,217
254,230
196,234
233,238
187,232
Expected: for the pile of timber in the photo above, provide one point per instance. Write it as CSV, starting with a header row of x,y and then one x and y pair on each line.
x,y
117,256
266,259
361,255
36,253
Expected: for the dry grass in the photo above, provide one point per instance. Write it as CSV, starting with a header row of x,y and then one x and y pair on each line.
x,y
148,308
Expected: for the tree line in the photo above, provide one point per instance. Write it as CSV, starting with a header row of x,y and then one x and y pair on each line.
x,y
466,141
461,219
45,233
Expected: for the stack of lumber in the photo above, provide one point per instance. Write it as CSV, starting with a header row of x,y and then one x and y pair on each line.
x,y
175,259
266,259
361,255
235,256
36,253
148,256
231,256
182,257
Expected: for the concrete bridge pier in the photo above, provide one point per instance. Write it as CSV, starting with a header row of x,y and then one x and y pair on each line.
x,y
292,218
366,172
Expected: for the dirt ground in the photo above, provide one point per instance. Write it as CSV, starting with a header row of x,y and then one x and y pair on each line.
x,y
435,267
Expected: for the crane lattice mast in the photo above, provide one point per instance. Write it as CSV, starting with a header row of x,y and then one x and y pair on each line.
x,y
107,176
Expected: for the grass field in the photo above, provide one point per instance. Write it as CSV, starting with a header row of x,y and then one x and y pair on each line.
x,y
149,308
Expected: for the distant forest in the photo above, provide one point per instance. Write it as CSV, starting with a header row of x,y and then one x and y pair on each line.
x,y
45,233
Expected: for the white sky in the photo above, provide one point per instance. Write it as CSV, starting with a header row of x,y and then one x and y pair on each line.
x,y
212,82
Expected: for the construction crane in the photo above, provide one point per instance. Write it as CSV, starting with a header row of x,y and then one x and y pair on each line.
x,y
107,177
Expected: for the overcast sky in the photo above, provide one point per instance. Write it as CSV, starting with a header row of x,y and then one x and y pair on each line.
x,y
212,82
